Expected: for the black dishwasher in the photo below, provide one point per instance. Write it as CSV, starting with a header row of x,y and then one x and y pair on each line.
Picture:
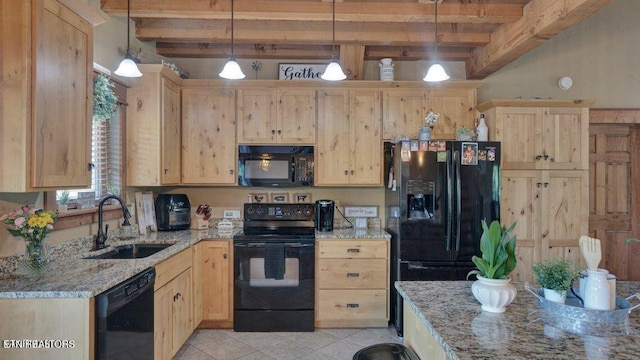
x,y
124,319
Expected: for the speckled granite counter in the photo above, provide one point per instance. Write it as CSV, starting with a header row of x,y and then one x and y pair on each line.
x,y
71,276
353,234
74,277
452,315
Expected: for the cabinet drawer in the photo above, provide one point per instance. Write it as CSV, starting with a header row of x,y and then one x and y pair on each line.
x,y
352,249
354,305
352,273
172,267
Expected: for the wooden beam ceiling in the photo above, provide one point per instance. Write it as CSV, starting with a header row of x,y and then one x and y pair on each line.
x,y
487,34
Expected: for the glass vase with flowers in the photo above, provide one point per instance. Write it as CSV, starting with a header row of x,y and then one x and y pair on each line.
x,y
33,225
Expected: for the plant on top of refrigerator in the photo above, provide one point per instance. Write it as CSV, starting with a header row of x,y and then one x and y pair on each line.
x,y
498,249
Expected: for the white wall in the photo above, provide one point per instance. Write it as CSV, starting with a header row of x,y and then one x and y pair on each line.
x,y
601,54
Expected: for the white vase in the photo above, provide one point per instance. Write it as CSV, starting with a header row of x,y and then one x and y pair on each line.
x,y
493,294
596,290
556,296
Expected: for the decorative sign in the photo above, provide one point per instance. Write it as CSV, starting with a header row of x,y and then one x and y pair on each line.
x,y
300,71
361,211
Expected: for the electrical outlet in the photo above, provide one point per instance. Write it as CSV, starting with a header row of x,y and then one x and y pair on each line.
x,y
231,214
361,223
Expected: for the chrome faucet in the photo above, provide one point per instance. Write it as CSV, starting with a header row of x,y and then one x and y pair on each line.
x,y
101,237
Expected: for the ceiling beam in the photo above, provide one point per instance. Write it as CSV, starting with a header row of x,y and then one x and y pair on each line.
x,y
471,11
542,20
299,32
243,51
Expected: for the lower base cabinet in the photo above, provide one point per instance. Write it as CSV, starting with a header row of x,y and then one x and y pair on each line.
x,y
216,266
352,283
418,338
173,305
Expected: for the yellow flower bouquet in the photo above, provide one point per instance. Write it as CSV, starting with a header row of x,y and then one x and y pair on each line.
x,y
33,225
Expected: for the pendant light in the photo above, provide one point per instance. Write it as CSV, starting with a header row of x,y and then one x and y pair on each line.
x,y
436,71
128,67
231,69
333,72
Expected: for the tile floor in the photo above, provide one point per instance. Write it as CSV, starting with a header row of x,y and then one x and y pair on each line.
x,y
323,344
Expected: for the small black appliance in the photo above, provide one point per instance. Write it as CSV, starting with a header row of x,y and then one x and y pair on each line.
x,y
324,215
173,212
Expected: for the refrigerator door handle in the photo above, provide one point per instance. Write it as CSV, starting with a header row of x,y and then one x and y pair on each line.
x,y
456,159
449,199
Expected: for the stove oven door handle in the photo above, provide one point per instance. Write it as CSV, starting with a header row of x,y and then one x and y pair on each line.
x,y
256,245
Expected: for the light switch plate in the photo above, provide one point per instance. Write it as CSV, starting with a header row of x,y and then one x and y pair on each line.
x,y
231,214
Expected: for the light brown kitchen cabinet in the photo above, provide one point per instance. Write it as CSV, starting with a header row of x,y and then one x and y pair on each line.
x,y
46,102
552,211
404,111
352,283
276,116
173,304
216,261
209,154
154,128
544,134
349,139
456,108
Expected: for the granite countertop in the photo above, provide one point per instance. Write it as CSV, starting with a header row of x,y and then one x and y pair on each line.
x,y
525,331
71,276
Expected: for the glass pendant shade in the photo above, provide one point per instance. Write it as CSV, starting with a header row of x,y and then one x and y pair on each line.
x,y
333,72
436,73
232,70
128,68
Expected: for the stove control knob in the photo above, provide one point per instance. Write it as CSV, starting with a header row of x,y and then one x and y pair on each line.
x,y
251,210
308,211
260,211
298,211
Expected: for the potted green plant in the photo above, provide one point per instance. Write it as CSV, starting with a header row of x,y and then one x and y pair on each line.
x,y
62,198
493,288
555,275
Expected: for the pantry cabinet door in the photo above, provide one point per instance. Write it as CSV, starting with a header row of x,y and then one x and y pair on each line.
x,y
565,140
519,129
208,136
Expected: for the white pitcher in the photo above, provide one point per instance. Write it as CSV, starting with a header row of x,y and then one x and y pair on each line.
x,y
386,69
596,291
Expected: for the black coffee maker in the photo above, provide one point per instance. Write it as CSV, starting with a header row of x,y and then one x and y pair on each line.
x,y
324,215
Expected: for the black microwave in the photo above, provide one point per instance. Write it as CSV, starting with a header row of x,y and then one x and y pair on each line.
x,y
275,166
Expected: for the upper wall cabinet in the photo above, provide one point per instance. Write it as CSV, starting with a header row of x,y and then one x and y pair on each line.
x,y
270,116
404,111
349,146
154,128
209,154
544,134
47,91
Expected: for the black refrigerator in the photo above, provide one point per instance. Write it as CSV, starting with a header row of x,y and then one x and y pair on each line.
x,y
436,196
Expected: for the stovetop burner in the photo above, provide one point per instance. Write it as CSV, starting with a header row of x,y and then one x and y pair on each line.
x,y
270,221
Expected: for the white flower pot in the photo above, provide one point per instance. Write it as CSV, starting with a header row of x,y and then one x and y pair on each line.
x,y
493,294
555,296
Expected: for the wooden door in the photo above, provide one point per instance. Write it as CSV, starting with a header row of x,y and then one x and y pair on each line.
x,y
457,108
296,116
216,283
519,131
182,310
256,116
63,89
366,138
208,136
614,211
403,112
565,137
565,212
163,322
171,131
521,202
332,153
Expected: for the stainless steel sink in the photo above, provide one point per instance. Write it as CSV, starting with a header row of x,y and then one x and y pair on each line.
x,y
131,251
